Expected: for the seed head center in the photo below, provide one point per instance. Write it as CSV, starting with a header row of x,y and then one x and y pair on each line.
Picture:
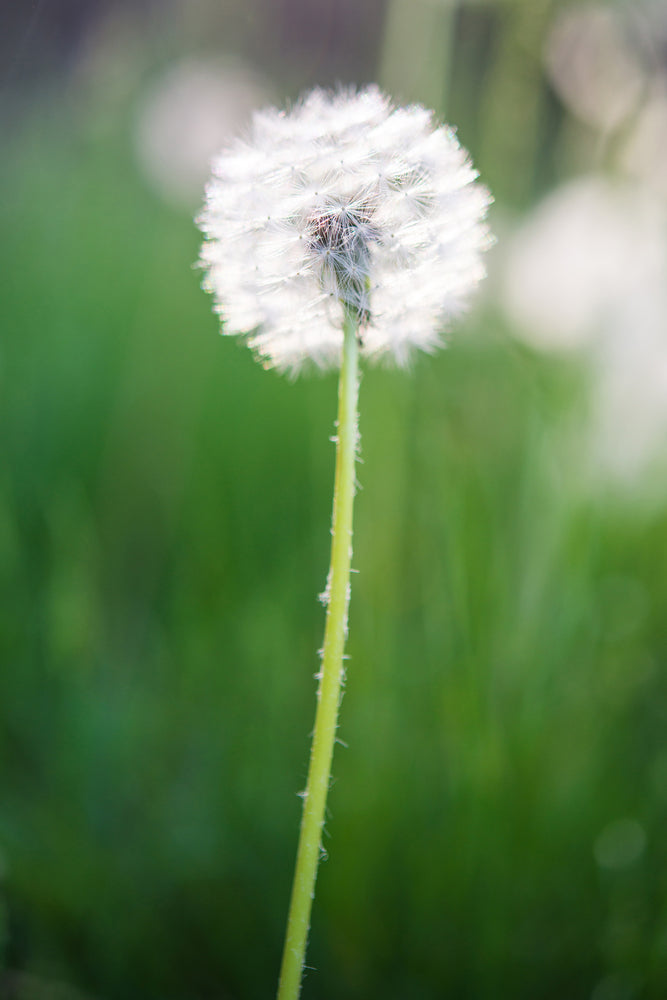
x,y
340,238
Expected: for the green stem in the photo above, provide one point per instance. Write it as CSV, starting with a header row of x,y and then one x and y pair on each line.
x,y
331,678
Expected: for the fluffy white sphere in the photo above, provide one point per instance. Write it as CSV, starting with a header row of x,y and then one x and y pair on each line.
x,y
344,202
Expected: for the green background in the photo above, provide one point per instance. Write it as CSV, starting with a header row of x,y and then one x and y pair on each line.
x,y
497,821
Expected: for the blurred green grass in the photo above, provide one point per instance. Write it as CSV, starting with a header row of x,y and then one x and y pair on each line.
x,y
164,517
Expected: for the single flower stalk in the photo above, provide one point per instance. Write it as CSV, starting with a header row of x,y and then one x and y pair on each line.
x,y
344,227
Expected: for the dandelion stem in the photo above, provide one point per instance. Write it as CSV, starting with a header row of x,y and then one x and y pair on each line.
x,y
331,679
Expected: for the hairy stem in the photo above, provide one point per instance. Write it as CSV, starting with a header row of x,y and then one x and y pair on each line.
x,y
331,678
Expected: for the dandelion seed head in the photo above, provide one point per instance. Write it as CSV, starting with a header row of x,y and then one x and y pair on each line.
x,y
344,203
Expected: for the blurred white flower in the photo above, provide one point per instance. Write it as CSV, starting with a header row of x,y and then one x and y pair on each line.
x,y
187,115
593,66
342,203
586,249
628,430
586,273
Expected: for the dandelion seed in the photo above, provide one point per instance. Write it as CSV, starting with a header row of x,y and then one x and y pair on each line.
x,y
343,203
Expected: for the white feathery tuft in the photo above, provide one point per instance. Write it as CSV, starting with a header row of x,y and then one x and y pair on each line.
x,y
344,202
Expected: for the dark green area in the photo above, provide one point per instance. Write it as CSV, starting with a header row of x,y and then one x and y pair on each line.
x,y
164,529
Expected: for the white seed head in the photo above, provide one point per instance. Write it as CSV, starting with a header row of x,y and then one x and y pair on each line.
x,y
343,203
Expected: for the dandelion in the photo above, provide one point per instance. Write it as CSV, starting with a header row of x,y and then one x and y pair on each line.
x,y
343,204
343,227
